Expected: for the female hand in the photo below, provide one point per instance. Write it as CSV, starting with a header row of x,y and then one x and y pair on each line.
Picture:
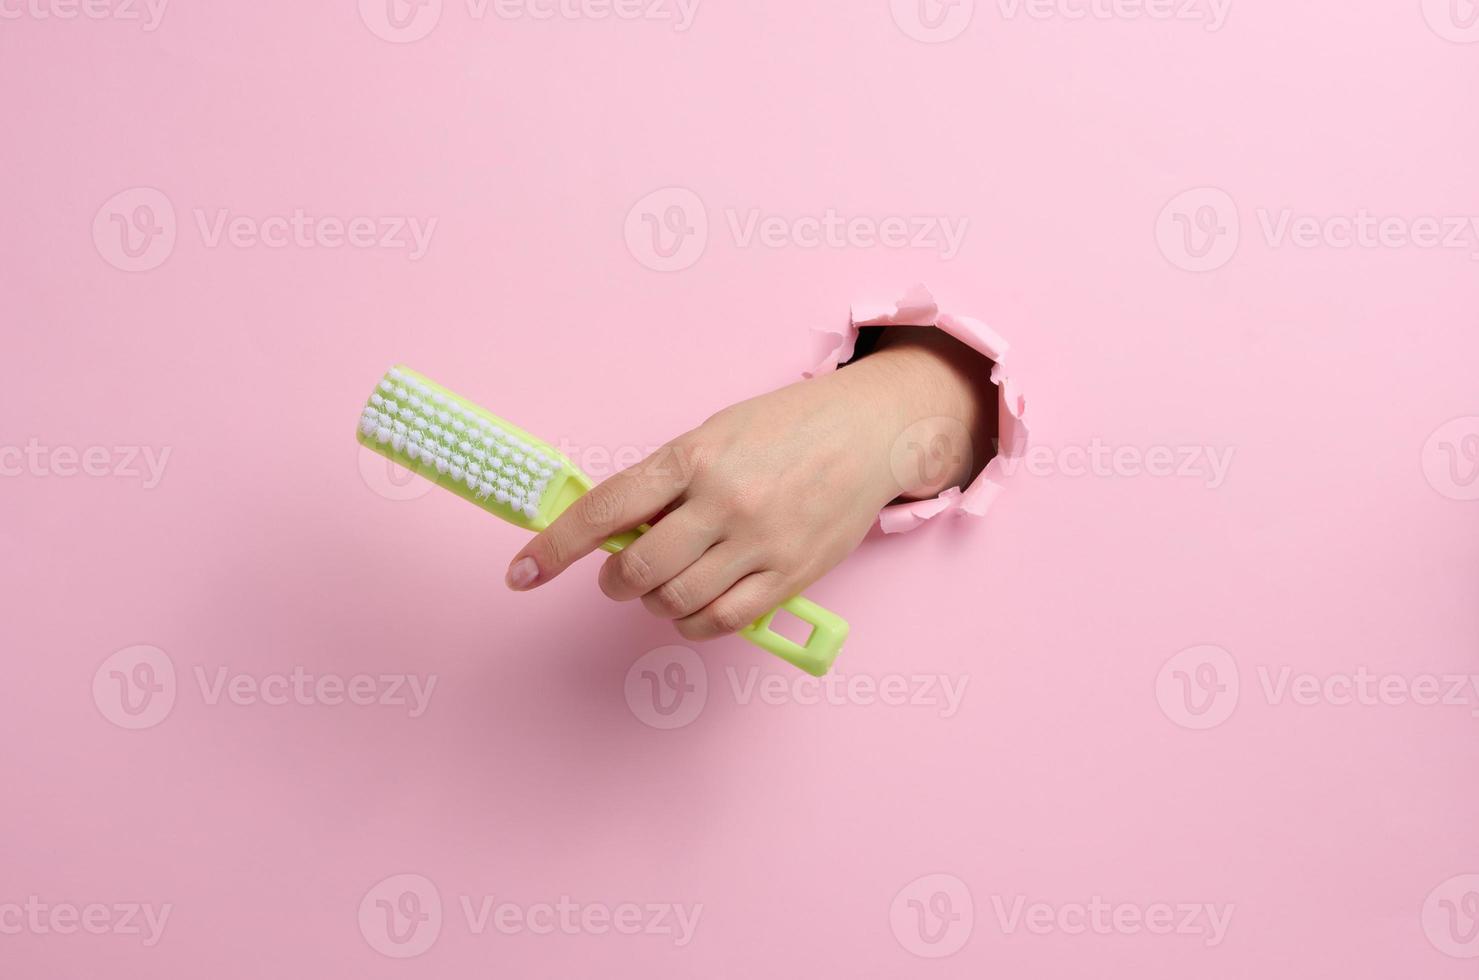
x,y
767,495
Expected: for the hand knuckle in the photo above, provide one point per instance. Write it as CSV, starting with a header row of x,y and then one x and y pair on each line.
x,y
691,456
745,502
726,619
556,548
633,570
600,507
671,599
662,465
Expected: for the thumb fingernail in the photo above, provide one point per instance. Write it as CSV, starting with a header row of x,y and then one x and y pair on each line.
x,y
522,573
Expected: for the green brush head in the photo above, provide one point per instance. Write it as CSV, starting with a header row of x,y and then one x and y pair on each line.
x,y
445,438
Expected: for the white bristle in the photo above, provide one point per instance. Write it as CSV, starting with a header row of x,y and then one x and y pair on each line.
x,y
396,375
430,429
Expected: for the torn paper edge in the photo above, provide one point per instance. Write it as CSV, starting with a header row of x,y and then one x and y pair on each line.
x,y
917,308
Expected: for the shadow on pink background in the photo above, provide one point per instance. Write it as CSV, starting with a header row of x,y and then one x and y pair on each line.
x,y
1210,722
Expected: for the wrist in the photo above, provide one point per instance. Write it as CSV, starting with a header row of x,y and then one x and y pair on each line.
x,y
936,398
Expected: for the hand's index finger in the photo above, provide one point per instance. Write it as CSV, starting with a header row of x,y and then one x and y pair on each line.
x,y
619,504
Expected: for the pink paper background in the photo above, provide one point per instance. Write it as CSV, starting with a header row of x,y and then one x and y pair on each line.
x,y
1339,540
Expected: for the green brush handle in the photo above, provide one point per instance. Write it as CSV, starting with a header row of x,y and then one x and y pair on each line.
x,y
815,656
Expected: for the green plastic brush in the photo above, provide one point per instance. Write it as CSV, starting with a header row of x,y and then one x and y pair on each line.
x,y
445,438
